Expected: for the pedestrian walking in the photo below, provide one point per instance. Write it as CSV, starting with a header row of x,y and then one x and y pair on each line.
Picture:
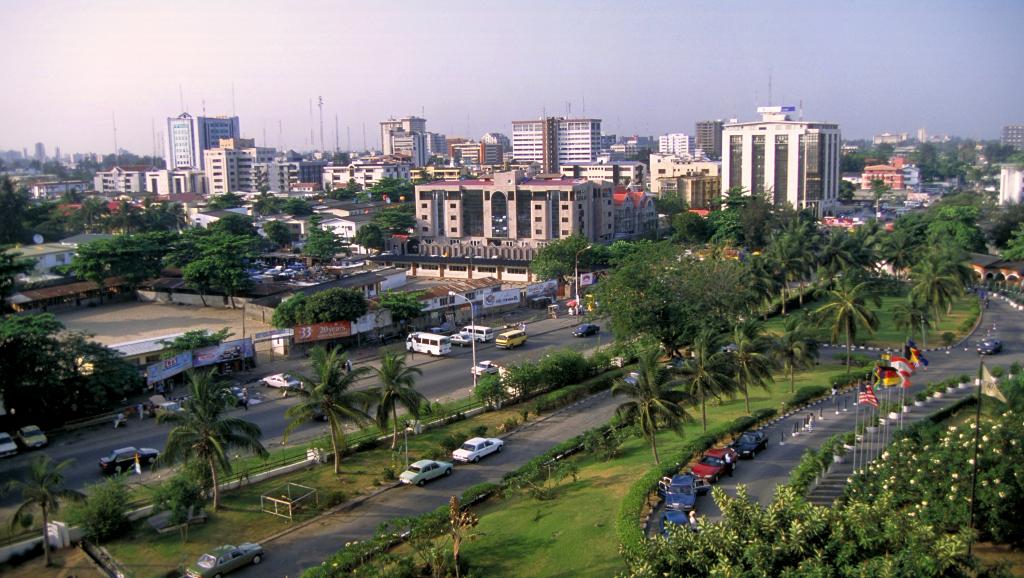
x,y
729,465
138,408
348,365
693,519
120,420
245,398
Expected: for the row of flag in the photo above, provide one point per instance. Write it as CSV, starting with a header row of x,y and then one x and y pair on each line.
x,y
892,370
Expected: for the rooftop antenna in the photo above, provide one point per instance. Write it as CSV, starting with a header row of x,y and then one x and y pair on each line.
x,y
264,133
280,135
320,107
364,136
801,109
312,143
584,104
152,128
568,108
337,147
181,99
204,107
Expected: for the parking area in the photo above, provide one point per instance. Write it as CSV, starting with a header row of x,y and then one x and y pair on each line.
x,y
122,322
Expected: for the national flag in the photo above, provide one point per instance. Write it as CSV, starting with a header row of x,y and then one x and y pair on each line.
x,y
886,376
868,396
138,465
990,386
902,364
917,356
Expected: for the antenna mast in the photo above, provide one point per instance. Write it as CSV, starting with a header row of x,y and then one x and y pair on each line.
x,y
320,106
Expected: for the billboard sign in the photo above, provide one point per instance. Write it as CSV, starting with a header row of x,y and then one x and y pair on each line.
x,y
166,368
322,331
227,351
499,298
541,289
587,279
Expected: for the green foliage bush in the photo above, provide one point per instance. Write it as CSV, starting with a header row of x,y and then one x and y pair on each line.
x,y
805,394
103,513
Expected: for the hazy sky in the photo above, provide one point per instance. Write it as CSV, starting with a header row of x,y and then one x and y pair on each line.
x,y
474,66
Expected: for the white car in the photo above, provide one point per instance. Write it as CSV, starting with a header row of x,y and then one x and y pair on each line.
x,y
461,339
484,367
476,448
7,445
282,380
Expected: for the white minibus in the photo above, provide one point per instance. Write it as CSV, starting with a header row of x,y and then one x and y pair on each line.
x,y
480,332
428,343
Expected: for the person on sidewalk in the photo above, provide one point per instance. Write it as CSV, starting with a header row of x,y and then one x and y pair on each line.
x,y
693,520
348,366
729,464
139,409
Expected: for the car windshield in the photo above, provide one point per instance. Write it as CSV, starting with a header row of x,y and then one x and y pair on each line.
x,y
206,561
712,461
414,469
748,439
681,490
469,447
4,438
30,430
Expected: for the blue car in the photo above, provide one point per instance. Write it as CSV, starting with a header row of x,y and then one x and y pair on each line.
x,y
673,517
681,491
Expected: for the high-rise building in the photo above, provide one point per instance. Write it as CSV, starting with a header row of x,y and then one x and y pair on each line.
x,y
170,182
40,152
188,137
288,171
409,124
554,141
437,144
234,166
1013,135
709,137
1011,185
497,138
675,144
792,162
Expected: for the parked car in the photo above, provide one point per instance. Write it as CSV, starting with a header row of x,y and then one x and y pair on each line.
x,y
749,443
675,517
31,437
712,466
7,445
475,448
123,460
423,471
681,491
461,339
282,381
484,367
633,378
224,559
586,330
990,347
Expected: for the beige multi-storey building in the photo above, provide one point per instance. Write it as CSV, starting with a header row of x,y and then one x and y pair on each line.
x,y
170,182
365,172
509,209
552,141
624,173
234,165
668,167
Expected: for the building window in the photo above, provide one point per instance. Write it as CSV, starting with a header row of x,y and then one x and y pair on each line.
x,y
487,269
423,205
565,219
538,232
735,161
516,271
454,230
453,217
757,186
781,188
456,267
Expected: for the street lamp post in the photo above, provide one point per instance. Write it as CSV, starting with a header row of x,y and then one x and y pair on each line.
x,y
576,279
472,343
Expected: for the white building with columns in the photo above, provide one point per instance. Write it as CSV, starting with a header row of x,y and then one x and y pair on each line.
x,y
1011,184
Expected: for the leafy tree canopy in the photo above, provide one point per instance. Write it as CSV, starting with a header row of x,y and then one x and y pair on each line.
x,y
225,201
404,305
395,219
370,236
278,233
195,339
557,260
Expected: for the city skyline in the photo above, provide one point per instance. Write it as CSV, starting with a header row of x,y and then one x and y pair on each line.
x,y
871,68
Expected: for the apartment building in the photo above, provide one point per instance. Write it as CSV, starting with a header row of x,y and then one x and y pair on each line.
x,y
55,189
890,175
286,173
622,173
234,166
122,180
170,182
1011,184
666,168
635,214
554,141
1013,135
709,137
365,172
792,162
188,137
409,124
676,144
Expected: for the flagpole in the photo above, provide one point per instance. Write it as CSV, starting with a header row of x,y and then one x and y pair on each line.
x,y
856,425
977,442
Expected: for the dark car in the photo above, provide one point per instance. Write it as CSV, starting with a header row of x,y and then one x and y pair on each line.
x,y
123,460
681,491
990,347
675,517
751,442
586,330
712,466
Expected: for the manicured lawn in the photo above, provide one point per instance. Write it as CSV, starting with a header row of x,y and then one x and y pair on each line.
x,y
887,335
147,554
574,534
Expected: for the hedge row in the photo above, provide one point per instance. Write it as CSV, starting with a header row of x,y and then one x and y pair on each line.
x,y
627,524
573,393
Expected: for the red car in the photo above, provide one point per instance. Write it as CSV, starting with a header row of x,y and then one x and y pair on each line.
x,y
712,466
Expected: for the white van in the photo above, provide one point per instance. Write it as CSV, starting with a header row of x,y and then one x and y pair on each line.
x,y
480,332
431,343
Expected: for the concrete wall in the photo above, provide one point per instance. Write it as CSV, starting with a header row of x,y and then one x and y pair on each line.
x,y
218,301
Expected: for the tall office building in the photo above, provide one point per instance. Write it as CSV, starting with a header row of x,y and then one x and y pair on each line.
x,y
188,137
1013,135
675,144
235,166
40,152
554,141
792,162
409,124
709,137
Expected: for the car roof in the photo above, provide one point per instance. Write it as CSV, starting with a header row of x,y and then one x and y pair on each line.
x,y
475,441
680,478
127,449
222,549
716,452
422,463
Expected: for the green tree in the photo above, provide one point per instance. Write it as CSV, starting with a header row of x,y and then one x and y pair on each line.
x,y
370,236
395,219
403,305
234,224
193,340
397,387
392,188
321,244
103,512
846,190
557,260
708,373
957,226
911,316
490,391
751,358
935,284
11,265
278,233
337,304
655,403
329,394
224,258
298,207
847,310
900,251
225,201
202,432
44,489
13,207
290,312
795,348
689,228
181,496
1015,245
201,275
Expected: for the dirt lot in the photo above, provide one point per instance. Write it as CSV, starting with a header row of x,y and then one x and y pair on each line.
x,y
122,322
67,563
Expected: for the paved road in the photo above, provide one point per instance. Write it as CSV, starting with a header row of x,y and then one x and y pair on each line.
x,y
770,468
443,379
312,544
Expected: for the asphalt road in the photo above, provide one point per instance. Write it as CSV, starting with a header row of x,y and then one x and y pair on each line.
x,y
310,545
772,467
443,379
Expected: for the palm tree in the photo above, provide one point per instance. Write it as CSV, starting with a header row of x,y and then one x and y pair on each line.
x,y
764,280
935,284
847,310
45,490
708,372
329,395
899,250
838,254
911,316
204,434
795,348
397,381
750,358
655,402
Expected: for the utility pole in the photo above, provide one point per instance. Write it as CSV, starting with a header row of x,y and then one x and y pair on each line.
x,y
312,143
320,106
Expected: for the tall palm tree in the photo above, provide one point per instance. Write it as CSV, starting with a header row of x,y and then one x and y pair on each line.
x,y
655,402
44,489
795,348
764,280
397,387
847,311
203,433
329,394
708,373
900,251
838,254
750,358
935,284
911,316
